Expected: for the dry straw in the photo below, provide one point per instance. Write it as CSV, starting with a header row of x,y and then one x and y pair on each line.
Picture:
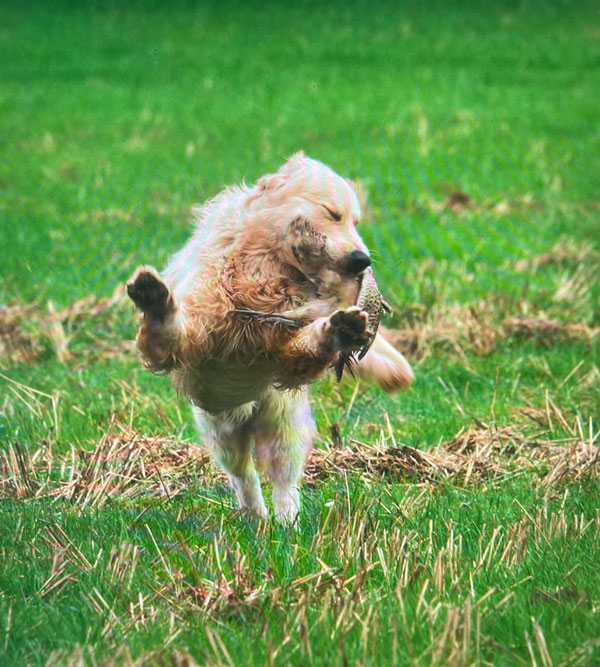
x,y
126,463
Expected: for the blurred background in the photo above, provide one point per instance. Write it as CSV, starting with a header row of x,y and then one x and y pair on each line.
x,y
474,129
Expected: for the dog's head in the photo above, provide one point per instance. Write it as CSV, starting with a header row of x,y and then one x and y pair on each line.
x,y
315,212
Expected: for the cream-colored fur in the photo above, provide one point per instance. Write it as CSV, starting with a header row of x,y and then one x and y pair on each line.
x,y
282,244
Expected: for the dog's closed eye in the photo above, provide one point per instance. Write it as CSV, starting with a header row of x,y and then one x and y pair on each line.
x,y
335,215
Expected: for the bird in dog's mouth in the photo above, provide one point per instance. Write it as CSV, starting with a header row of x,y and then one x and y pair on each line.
x,y
369,300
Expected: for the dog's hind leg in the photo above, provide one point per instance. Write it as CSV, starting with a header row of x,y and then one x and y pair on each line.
x,y
386,366
284,432
230,444
159,334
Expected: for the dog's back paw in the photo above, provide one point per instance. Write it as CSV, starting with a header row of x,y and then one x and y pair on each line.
x,y
149,293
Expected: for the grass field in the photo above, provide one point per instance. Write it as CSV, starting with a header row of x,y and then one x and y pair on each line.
x,y
455,524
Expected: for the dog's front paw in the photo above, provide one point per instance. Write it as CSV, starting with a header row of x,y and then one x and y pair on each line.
x,y
149,293
349,328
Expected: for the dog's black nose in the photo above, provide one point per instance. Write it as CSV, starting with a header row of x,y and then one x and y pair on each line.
x,y
357,262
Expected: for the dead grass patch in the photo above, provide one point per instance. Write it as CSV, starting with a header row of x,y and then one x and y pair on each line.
x,y
459,202
474,454
17,344
126,463
26,329
548,330
565,311
479,329
565,252
454,329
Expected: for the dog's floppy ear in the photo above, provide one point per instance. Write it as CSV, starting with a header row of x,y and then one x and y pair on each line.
x,y
271,182
280,177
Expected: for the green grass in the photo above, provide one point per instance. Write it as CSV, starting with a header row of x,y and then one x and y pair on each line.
x,y
115,119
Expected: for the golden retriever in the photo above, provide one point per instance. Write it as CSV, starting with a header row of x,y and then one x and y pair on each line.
x,y
289,242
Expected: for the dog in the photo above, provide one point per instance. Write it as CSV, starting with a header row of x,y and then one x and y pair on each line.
x,y
287,243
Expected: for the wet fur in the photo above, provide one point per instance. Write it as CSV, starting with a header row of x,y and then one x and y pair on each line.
x,y
279,245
